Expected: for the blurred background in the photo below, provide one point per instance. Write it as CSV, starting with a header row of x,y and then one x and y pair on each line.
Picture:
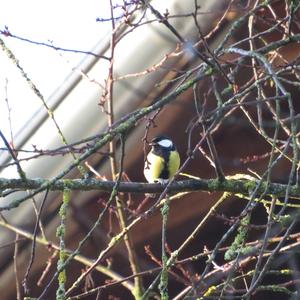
x,y
72,86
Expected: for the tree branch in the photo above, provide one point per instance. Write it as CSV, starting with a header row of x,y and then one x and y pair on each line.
x,y
235,186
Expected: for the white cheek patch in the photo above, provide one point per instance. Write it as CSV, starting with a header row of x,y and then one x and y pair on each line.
x,y
165,143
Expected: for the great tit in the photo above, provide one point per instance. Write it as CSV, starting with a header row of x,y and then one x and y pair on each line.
x,y
162,161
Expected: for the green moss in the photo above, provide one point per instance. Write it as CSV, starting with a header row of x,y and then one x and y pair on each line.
x,y
209,71
165,209
227,90
240,239
163,285
214,185
60,231
210,291
67,184
275,289
62,211
62,277
250,185
62,255
66,194
285,272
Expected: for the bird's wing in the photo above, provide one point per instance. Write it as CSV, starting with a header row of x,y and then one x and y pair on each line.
x,y
174,163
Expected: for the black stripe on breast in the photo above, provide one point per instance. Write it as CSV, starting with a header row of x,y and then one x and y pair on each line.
x,y
165,154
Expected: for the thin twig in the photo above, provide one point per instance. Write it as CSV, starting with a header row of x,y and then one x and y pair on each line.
x,y
16,268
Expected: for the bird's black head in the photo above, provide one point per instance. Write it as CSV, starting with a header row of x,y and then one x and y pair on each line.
x,y
162,141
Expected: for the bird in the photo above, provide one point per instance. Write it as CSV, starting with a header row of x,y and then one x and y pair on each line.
x,y
162,161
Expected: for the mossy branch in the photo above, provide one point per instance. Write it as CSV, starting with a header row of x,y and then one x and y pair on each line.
x,y
234,186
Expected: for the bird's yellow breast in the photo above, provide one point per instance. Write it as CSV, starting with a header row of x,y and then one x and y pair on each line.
x,y
157,164
154,168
